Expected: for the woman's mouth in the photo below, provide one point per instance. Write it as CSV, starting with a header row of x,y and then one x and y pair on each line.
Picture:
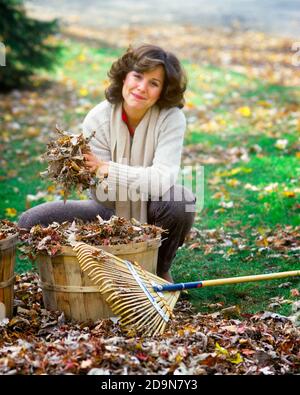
x,y
138,97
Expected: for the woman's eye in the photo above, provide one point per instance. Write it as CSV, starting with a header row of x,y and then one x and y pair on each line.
x,y
154,84
138,76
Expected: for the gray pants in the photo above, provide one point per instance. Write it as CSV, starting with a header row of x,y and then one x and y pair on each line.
x,y
175,215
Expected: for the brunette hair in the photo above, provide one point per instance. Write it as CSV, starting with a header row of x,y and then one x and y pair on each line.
x,y
146,58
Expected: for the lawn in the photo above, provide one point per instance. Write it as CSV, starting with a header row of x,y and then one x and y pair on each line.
x,y
245,132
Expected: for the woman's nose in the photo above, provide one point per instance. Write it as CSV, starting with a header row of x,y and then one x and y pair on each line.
x,y
142,85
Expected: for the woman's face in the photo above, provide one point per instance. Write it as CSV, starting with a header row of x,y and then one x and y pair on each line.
x,y
142,90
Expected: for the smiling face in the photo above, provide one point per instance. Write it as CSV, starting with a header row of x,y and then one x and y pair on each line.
x,y
142,90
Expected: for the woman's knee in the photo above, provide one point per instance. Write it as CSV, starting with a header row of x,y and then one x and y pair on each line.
x,y
182,201
178,205
46,213
24,221
33,216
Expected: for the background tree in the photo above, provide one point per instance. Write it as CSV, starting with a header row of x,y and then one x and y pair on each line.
x,y
29,44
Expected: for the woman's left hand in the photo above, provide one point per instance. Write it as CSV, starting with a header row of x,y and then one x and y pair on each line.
x,y
94,164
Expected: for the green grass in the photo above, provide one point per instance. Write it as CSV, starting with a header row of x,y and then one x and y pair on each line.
x,y
252,210
213,95
249,297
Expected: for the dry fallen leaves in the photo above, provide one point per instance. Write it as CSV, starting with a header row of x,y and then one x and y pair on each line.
x,y
7,229
200,153
37,341
281,240
253,53
116,230
66,163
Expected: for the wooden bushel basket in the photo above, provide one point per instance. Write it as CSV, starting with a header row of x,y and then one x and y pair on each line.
x,y
68,289
7,276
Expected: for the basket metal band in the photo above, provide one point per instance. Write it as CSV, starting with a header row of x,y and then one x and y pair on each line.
x,y
68,288
8,282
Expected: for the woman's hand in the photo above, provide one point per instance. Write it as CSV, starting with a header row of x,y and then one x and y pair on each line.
x,y
94,164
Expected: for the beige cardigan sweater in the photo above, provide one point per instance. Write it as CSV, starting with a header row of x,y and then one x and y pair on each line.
x,y
142,167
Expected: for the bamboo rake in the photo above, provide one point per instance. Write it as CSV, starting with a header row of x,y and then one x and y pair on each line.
x,y
128,290
143,301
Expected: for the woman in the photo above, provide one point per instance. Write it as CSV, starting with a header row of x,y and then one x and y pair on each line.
x,y
136,152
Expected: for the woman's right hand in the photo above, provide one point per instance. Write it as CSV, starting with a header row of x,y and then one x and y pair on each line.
x,y
95,164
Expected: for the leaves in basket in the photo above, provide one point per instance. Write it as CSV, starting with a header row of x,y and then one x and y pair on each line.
x,y
7,229
116,230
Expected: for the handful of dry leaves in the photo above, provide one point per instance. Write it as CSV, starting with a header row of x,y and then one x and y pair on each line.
x,y
7,229
117,230
66,163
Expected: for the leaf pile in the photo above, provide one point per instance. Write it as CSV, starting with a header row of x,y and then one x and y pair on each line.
x,y
201,153
116,230
37,341
7,229
282,240
257,54
66,163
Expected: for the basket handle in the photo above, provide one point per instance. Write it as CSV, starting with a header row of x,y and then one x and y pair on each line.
x,y
154,242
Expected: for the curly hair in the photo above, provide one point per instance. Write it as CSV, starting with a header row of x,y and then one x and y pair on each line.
x,y
146,58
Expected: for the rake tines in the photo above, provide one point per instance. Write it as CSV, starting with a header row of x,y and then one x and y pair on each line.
x,y
128,290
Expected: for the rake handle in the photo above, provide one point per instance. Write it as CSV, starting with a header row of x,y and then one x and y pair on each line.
x,y
223,281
